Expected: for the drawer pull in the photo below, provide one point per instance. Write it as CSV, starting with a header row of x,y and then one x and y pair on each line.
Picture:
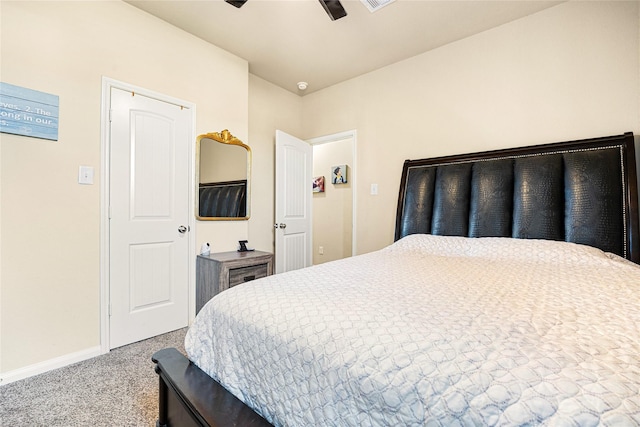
x,y
246,274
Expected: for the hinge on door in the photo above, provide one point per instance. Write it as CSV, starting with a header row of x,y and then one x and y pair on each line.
x,y
109,211
109,309
110,114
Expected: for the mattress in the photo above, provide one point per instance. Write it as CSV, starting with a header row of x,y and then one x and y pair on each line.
x,y
434,331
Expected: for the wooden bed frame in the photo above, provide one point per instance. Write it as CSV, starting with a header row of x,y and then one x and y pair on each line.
x,y
499,205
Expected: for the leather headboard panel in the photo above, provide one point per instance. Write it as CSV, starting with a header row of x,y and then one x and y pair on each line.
x,y
578,191
451,200
223,200
491,207
418,207
593,197
539,198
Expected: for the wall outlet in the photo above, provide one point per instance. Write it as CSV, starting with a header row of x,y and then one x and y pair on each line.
x,y
321,250
374,189
85,175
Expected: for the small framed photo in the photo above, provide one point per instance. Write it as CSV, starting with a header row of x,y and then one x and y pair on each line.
x,y
318,184
339,174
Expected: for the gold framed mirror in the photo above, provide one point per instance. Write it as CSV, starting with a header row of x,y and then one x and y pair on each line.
x,y
223,177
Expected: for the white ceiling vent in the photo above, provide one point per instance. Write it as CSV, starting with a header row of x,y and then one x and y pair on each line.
x,y
375,5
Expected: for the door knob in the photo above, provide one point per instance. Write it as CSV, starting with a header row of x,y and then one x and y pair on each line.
x,y
182,229
283,225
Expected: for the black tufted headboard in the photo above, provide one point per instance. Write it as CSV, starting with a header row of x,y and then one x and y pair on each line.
x,y
578,191
223,199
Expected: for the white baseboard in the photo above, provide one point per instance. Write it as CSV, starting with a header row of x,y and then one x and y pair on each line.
x,y
48,365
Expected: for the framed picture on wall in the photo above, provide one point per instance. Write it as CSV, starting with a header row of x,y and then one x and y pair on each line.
x,y
318,184
339,174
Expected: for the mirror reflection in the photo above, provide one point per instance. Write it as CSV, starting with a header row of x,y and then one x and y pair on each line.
x,y
223,170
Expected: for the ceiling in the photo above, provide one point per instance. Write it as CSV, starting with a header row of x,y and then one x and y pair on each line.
x,y
288,41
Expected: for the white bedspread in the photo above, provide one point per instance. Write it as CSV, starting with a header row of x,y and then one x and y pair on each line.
x,y
435,331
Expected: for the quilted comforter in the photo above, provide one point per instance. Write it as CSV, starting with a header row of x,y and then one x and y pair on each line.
x,y
434,331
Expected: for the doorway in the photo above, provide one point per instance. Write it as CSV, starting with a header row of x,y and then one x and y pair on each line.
x,y
146,253
334,209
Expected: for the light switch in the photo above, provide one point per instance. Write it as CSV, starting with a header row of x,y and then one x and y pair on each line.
x,y
85,175
374,189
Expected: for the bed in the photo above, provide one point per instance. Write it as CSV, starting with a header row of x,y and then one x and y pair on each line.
x,y
510,296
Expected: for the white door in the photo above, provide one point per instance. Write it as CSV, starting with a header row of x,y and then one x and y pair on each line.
x,y
149,208
294,165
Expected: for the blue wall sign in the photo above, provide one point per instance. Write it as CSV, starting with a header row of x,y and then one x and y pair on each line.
x,y
28,112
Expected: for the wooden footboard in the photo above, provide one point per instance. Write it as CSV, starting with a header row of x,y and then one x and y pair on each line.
x,y
189,397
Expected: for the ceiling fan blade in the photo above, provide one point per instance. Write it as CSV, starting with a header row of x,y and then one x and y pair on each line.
x,y
333,8
236,3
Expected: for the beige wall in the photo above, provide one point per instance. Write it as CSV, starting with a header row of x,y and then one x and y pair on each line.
x,y
565,73
50,247
270,108
332,209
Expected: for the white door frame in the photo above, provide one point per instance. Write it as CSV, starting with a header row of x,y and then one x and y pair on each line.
x,y
353,134
105,138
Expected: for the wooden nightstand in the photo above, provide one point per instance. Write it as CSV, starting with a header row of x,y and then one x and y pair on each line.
x,y
220,271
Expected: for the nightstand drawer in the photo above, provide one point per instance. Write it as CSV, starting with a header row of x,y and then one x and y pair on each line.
x,y
246,274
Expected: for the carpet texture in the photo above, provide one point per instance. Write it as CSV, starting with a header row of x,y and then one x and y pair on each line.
x,y
116,389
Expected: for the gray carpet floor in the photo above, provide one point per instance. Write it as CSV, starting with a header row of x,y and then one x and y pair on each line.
x,y
116,389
